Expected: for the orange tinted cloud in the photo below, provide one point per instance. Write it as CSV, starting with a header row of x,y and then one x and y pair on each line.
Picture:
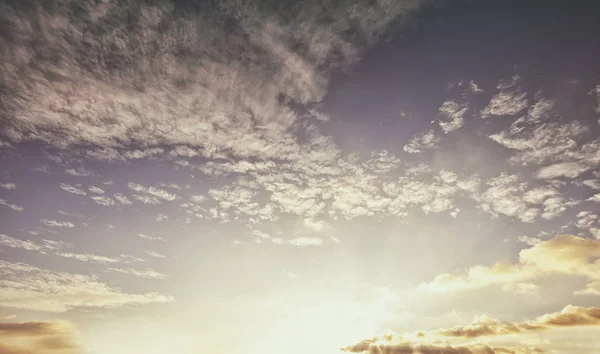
x,y
561,255
51,337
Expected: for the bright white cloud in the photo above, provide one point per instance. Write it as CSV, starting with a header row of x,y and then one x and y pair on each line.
x,y
72,189
14,207
55,223
423,141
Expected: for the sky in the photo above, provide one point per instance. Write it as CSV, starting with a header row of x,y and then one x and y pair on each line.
x,y
299,177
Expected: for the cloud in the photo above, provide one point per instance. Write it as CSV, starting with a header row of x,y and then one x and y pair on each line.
x,y
539,143
441,340
306,241
530,241
96,190
592,183
52,337
141,154
382,162
153,238
505,195
72,189
569,316
452,116
55,223
151,195
197,198
14,207
474,87
155,254
31,288
52,247
509,101
561,255
196,91
315,225
404,347
88,257
122,199
103,200
421,142
79,172
563,169
8,186
148,273
147,199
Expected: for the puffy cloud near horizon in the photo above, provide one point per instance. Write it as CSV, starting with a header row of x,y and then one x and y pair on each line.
x,y
478,336
35,337
569,316
561,255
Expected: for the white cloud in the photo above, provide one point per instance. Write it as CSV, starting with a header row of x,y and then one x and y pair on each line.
x,y
315,225
122,199
72,189
79,172
474,87
421,142
148,273
53,247
151,193
452,116
530,241
55,223
9,185
592,183
306,241
152,238
509,101
14,207
155,254
505,195
102,200
141,154
204,99
31,288
96,190
197,198
147,199
541,142
563,169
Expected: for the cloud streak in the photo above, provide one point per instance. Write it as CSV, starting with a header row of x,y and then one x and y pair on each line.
x,y
27,287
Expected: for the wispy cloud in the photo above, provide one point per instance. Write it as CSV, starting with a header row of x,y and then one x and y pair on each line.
x,y
153,238
72,189
56,248
509,100
155,254
14,207
148,273
55,223
33,288
421,142
8,185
